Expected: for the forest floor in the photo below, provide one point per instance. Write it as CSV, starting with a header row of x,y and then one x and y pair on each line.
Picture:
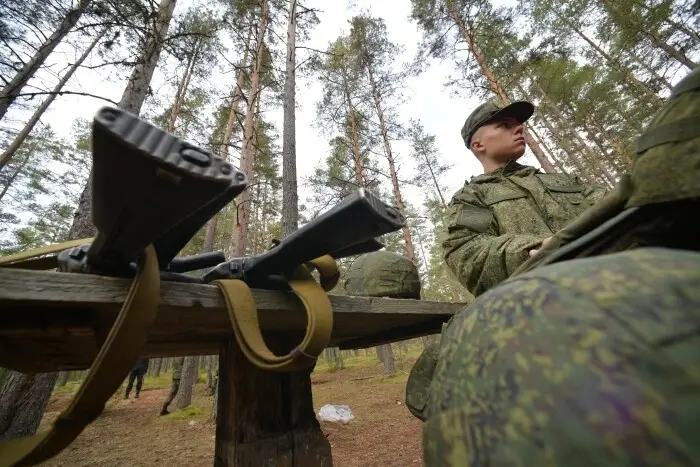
x,y
131,433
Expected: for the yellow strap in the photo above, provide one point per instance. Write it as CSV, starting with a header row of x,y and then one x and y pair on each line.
x,y
31,259
327,270
319,313
112,364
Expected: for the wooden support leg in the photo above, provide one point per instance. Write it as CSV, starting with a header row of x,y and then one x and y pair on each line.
x,y
266,418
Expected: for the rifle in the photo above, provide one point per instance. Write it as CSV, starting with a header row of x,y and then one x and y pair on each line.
x,y
151,193
149,187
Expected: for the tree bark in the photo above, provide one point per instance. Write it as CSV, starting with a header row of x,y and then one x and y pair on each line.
x,y
210,231
388,360
23,399
240,233
655,39
656,99
189,378
408,241
290,206
34,119
12,89
183,86
132,99
16,174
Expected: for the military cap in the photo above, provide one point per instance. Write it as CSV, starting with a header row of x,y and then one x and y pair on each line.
x,y
486,112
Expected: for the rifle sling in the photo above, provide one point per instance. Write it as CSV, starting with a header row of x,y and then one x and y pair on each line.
x,y
129,335
246,328
115,359
35,259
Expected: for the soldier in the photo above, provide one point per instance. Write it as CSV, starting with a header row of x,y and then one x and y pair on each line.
x,y
501,217
590,355
175,385
137,372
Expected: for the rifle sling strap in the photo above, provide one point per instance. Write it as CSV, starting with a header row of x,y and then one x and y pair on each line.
x,y
246,328
121,348
129,335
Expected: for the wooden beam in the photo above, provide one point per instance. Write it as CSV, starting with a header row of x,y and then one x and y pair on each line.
x,y
53,321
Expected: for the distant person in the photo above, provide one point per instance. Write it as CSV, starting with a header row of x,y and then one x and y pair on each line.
x,y
137,373
175,385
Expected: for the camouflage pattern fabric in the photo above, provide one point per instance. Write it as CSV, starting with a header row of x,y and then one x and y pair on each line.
x,y
177,367
588,362
667,154
419,379
383,274
654,204
496,218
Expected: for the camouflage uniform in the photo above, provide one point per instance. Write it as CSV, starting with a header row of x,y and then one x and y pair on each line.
x,y
592,358
175,385
597,364
496,218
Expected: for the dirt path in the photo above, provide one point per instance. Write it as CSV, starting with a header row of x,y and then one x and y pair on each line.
x,y
130,432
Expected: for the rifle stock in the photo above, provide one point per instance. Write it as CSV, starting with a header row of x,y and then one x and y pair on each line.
x,y
148,187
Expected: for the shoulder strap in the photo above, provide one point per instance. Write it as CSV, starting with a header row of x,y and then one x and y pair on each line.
x,y
319,315
120,350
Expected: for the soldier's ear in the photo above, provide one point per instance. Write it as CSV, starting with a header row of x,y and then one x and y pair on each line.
x,y
477,147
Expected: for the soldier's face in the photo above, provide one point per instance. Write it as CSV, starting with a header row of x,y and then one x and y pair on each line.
x,y
500,140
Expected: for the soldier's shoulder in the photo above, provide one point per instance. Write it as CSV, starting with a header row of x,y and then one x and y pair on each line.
x,y
468,192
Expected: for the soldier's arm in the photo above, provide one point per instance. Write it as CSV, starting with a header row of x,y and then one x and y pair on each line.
x,y
473,249
594,193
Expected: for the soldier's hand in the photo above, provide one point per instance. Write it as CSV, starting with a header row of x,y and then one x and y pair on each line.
x,y
544,243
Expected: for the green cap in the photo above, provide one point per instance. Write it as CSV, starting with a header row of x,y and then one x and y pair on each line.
x,y
520,110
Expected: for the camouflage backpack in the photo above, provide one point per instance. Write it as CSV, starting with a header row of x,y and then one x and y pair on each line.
x,y
589,353
383,274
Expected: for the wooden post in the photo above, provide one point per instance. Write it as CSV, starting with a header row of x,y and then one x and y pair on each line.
x,y
265,417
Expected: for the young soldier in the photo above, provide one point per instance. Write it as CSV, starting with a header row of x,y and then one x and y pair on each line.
x,y
498,219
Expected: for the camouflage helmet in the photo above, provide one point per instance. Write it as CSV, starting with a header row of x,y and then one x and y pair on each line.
x,y
665,167
383,274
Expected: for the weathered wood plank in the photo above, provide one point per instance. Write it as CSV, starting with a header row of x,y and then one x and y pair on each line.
x,y
59,320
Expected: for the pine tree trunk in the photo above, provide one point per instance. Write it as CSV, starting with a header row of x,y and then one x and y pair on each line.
x,y
547,151
12,89
182,88
290,206
655,98
388,360
23,399
240,234
34,119
573,159
189,378
355,137
654,38
63,378
408,241
210,231
132,99
435,182
17,172
650,70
